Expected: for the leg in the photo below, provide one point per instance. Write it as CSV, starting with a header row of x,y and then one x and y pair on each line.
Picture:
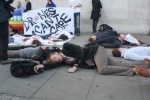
x,y
101,61
4,40
14,53
94,25
77,23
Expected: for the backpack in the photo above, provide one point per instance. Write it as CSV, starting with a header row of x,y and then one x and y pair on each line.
x,y
22,68
105,27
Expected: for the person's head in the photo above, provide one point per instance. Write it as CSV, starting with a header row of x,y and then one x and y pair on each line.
x,y
116,52
138,40
49,1
54,55
26,0
37,42
122,36
63,37
19,4
92,38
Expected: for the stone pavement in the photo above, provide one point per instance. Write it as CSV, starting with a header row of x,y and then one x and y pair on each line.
x,y
85,84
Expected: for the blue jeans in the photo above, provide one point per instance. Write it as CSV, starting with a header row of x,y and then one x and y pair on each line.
x,y
77,22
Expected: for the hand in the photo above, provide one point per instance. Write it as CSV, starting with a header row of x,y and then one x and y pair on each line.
x,y
37,67
138,43
73,69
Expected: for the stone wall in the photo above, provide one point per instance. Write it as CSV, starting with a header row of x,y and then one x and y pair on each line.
x,y
125,16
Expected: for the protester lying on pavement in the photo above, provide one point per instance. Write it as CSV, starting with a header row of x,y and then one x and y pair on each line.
x,y
94,56
28,53
134,53
110,39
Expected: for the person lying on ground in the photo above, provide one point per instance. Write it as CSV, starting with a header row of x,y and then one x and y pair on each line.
x,y
27,53
116,40
134,53
94,56
35,39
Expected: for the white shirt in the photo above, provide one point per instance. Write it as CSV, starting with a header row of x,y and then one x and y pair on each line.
x,y
136,53
75,4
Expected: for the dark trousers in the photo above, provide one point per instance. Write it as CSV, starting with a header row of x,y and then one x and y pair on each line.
x,y
94,25
77,23
3,40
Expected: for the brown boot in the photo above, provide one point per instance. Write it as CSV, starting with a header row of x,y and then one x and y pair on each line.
x,y
8,61
141,71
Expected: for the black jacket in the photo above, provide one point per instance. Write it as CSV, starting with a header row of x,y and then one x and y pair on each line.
x,y
108,42
5,10
96,9
77,52
28,6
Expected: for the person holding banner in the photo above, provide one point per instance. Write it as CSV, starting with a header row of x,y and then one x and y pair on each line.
x,y
134,53
28,6
5,14
76,4
50,3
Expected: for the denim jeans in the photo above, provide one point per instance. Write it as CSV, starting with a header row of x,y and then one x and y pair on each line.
x,y
77,22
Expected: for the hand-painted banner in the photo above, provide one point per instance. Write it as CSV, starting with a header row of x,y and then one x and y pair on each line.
x,y
48,20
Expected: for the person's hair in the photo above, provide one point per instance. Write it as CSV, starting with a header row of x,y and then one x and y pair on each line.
x,y
63,37
138,39
116,53
37,42
91,39
51,52
48,60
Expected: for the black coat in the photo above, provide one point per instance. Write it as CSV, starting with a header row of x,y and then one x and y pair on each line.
x,y
96,9
5,10
28,6
77,52
108,39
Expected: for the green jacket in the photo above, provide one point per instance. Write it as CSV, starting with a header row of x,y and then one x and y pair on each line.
x,y
77,52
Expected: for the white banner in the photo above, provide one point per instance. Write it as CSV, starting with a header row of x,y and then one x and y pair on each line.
x,y
48,20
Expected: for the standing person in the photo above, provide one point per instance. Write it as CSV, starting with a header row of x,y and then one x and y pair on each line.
x,y
89,57
5,14
28,6
96,9
19,6
50,3
76,4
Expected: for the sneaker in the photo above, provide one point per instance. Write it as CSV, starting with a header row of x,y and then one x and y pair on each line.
x,y
141,71
8,61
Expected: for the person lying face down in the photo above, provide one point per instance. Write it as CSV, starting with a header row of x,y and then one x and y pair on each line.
x,y
134,53
94,56
110,39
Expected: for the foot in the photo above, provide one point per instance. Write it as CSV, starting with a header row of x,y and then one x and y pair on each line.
x,y
77,34
8,61
141,71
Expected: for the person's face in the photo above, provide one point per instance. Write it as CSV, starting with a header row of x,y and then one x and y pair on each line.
x,y
122,36
121,49
94,37
19,4
56,57
25,0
